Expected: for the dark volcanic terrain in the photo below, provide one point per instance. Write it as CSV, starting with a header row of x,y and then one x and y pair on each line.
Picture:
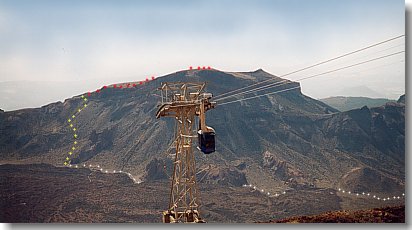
x,y
378,215
44,193
280,142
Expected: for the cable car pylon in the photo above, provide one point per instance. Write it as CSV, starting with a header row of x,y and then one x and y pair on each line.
x,y
184,101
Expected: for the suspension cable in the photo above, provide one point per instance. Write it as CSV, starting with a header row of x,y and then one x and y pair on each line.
x,y
314,65
284,80
313,76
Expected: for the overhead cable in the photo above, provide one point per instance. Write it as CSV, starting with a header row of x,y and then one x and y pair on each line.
x,y
314,65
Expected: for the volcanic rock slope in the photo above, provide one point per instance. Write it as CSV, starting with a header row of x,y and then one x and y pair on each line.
x,y
285,139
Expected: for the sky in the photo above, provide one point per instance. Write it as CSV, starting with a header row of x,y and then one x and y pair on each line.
x,y
52,50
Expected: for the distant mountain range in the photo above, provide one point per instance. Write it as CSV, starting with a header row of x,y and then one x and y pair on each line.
x,y
283,141
19,94
348,103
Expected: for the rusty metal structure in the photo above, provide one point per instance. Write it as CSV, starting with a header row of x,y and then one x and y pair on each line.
x,y
184,101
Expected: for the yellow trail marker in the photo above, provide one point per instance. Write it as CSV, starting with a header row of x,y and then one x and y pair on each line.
x,y
71,119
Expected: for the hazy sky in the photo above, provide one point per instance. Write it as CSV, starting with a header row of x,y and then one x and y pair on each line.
x,y
83,45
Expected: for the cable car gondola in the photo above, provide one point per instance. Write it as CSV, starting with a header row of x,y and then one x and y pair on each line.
x,y
206,140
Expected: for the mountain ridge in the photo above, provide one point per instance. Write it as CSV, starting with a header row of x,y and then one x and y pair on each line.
x,y
305,137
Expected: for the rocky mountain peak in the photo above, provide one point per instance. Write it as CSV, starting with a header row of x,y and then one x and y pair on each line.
x,y
306,139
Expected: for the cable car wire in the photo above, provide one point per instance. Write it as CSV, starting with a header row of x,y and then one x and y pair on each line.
x,y
309,77
285,81
314,65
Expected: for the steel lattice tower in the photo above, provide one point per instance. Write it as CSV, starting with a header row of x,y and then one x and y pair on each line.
x,y
184,101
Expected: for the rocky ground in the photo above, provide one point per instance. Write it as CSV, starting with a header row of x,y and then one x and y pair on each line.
x,y
378,215
43,193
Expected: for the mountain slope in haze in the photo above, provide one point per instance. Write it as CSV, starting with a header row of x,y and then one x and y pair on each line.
x,y
280,141
361,90
402,99
19,94
349,103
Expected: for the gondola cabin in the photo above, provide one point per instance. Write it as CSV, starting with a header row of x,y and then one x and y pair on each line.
x,y
206,140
